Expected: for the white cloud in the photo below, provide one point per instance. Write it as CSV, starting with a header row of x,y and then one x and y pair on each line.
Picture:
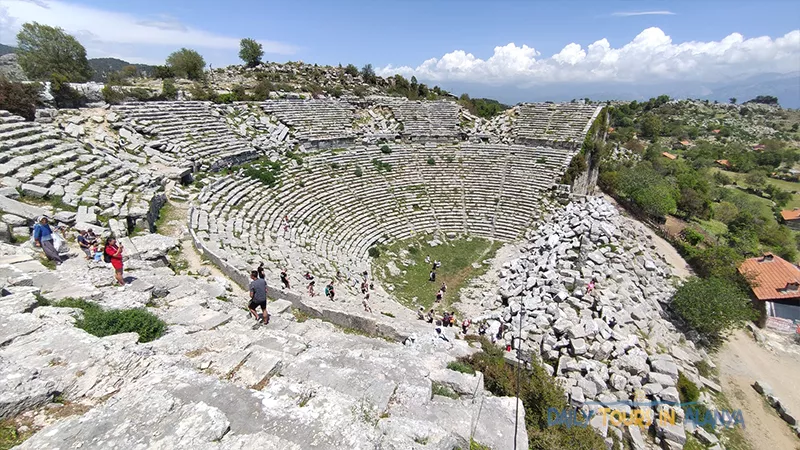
x,y
103,33
650,57
643,13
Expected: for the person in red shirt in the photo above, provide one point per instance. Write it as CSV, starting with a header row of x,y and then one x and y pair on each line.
x,y
113,252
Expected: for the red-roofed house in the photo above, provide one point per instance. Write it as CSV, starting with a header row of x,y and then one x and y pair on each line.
x,y
775,283
792,218
669,155
715,131
724,163
759,147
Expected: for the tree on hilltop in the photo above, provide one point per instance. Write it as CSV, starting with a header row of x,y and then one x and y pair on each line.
x,y
250,52
351,70
45,50
733,100
368,73
186,63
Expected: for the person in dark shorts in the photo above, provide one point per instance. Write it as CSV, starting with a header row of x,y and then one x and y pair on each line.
x,y
258,296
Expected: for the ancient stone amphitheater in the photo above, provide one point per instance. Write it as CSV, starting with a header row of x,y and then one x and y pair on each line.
x,y
372,172
354,173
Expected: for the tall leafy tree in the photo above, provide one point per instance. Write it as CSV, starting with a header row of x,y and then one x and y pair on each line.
x,y
250,52
45,51
186,63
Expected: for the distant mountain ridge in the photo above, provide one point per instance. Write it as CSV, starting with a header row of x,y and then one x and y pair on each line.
x,y
6,49
102,67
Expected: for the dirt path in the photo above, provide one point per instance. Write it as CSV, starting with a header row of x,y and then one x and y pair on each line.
x,y
741,362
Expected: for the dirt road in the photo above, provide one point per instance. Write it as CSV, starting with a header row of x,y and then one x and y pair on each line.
x,y
741,362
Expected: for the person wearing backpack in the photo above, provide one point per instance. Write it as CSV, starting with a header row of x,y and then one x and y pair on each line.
x,y
112,253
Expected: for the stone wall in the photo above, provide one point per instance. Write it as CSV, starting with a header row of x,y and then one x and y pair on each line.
x,y
586,182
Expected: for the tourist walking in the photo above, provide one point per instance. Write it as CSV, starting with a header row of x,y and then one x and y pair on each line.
x,y
113,254
444,287
421,313
432,276
439,296
366,305
310,288
258,296
285,279
465,325
429,316
43,238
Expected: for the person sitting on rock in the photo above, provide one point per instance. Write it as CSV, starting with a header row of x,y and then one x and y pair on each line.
x,y
590,286
429,316
308,276
113,253
43,238
482,329
84,244
90,236
285,278
258,296
338,275
446,319
421,313
501,330
439,296
311,288
453,320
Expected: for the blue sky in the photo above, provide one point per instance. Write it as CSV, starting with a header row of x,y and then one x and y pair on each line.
x,y
464,41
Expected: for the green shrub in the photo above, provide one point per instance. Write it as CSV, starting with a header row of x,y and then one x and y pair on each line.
x,y
374,252
140,94
386,150
65,96
163,72
44,51
431,161
19,98
168,89
687,390
358,172
712,306
538,392
111,95
387,314
335,165
264,170
381,166
100,323
692,236
262,90
460,366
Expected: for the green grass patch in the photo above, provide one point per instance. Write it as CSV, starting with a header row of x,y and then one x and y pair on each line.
x,y
99,322
790,186
387,314
299,315
444,391
473,445
177,262
457,257
732,438
460,366
714,227
10,436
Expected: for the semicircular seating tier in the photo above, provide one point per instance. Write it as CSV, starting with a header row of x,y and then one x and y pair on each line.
x,y
561,125
324,123
342,202
192,133
41,162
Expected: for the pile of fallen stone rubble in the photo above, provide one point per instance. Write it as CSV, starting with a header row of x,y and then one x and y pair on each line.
x,y
607,344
